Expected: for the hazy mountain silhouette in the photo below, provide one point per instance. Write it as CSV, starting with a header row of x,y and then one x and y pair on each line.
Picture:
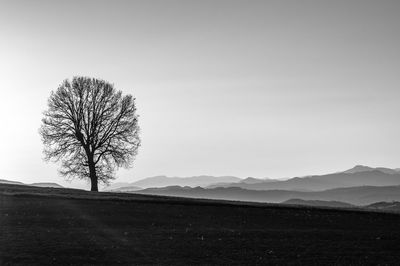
x,y
318,203
362,168
123,189
116,186
353,195
248,180
357,176
54,185
358,168
3,181
252,180
163,181
385,206
40,184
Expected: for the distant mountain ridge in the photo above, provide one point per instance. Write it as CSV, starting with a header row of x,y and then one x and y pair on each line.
x,y
385,206
123,189
252,180
39,184
363,168
357,176
318,203
3,181
194,181
43,184
360,196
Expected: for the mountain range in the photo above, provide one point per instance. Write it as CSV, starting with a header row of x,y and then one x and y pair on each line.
x,y
356,176
40,184
163,181
385,206
363,168
3,181
360,185
361,195
318,203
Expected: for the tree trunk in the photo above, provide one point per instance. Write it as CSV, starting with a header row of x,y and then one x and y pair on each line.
x,y
93,177
93,181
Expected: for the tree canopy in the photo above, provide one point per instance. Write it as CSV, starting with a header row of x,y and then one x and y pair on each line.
x,y
91,128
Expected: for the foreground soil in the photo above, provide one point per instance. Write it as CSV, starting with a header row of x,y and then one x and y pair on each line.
x,y
104,229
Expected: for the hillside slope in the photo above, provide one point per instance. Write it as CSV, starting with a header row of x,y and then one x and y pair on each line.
x,y
39,227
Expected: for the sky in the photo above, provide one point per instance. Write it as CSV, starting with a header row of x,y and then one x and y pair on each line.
x,y
271,89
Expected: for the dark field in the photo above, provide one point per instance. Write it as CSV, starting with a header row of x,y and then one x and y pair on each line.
x,y
136,230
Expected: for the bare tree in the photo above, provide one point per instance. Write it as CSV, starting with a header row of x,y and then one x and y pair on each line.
x,y
91,128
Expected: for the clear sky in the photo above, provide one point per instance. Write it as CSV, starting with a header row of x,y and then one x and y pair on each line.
x,y
247,88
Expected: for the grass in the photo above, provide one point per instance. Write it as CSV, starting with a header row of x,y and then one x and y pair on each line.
x,y
40,226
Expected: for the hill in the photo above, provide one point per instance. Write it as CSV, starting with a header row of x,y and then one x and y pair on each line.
x,y
55,226
252,180
194,181
358,176
127,188
54,185
3,181
318,203
113,187
353,195
41,184
120,187
116,185
385,206
363,168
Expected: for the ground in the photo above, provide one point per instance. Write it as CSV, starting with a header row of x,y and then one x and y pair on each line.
x,y
66,227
